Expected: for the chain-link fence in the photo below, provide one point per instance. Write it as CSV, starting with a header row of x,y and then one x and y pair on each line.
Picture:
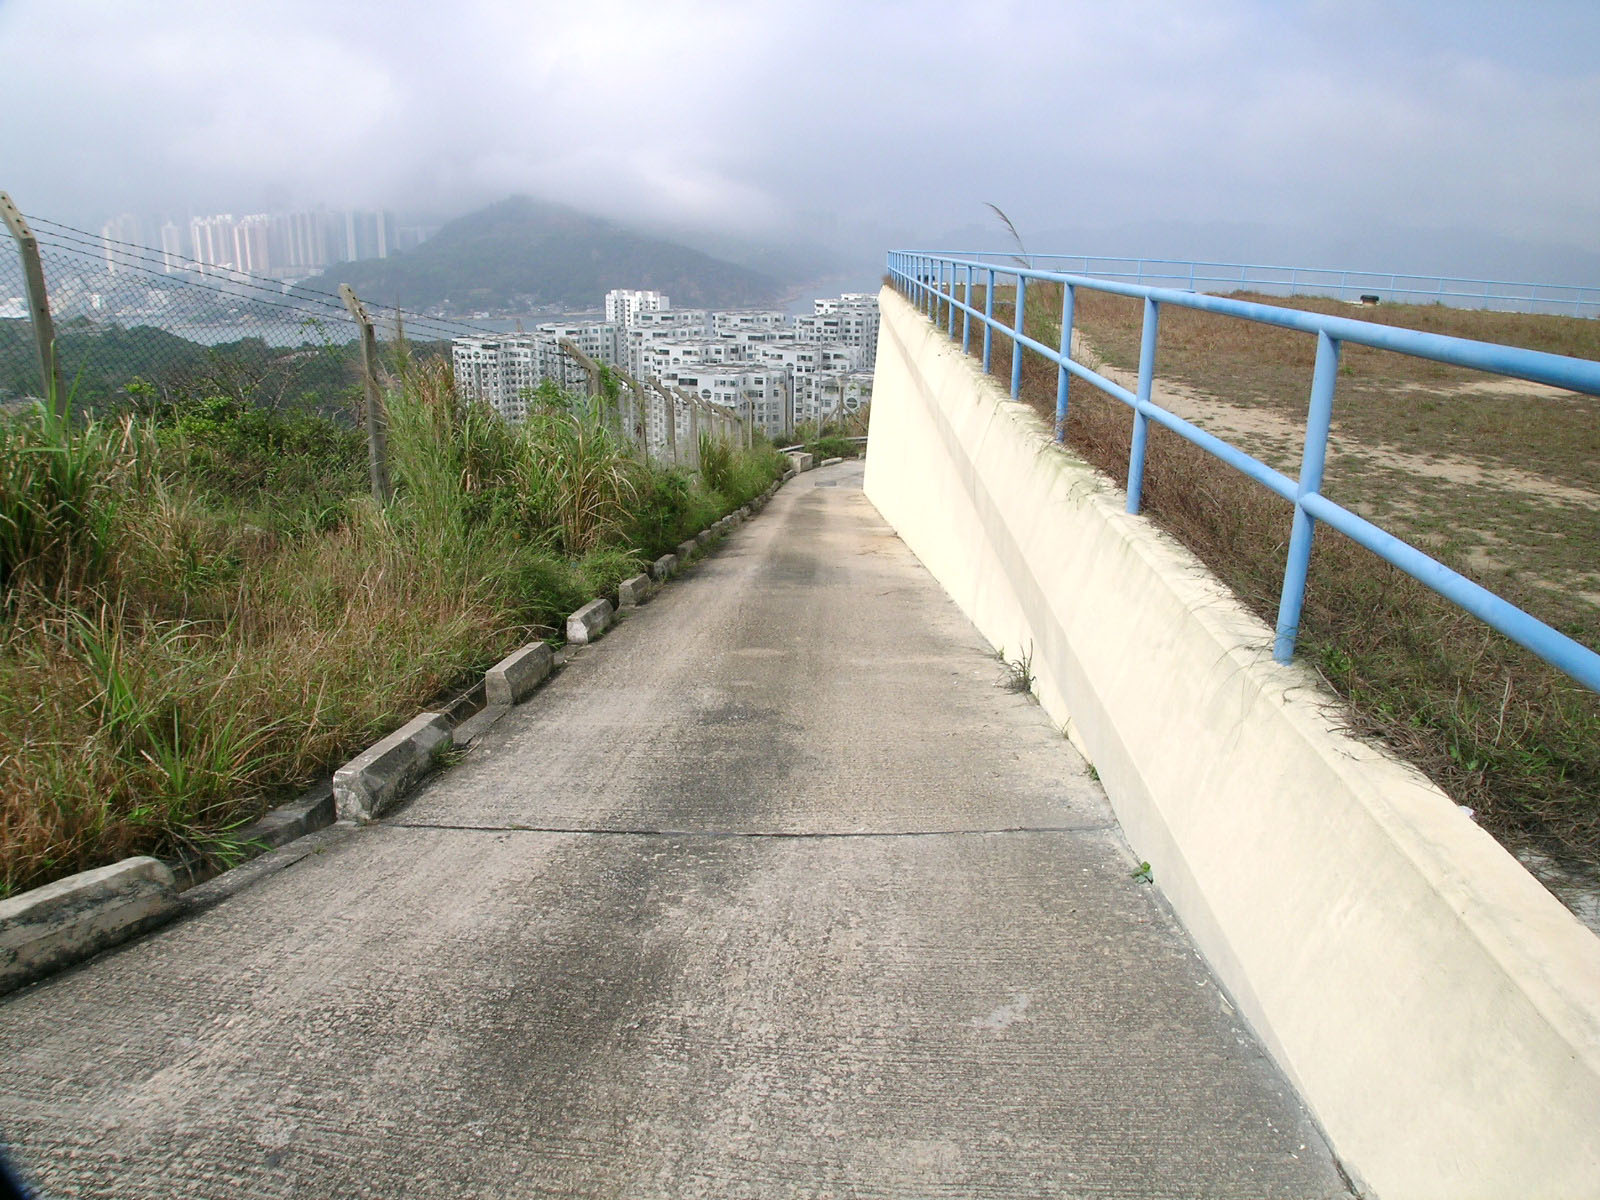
x,y
133,325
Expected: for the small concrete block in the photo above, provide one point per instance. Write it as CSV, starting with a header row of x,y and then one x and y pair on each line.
x,y
64,922
787,475
801,460
686,550
703,538
747,512
828,462
513,678
311,812
589,622
633,592
664,568
381,774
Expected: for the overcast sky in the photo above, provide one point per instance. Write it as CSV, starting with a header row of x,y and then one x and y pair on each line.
x,y
1343,123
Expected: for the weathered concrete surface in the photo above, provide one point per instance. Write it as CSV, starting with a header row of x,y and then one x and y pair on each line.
x,y
633,591
513,678
589,622
664,568
64,922
1300,858
771,893
381,774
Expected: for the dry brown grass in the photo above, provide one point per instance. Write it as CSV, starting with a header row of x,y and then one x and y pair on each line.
x,y
1494,726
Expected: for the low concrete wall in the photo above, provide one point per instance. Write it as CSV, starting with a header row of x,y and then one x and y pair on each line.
x,y
1436,1007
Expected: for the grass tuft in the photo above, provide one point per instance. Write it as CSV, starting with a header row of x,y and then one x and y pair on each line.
x,y
203,611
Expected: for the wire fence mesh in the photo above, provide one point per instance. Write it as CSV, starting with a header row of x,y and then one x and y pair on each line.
x,y
134,325
132,321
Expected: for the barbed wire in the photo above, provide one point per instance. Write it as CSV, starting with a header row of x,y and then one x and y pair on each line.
x,y
128,315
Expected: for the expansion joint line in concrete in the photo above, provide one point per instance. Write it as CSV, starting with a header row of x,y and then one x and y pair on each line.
x,y
759,834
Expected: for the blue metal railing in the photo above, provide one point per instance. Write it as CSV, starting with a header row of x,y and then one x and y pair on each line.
x,y
1340,283
941,285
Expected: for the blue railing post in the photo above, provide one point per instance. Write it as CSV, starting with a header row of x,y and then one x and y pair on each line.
x,y
950,304
966,314
1062,378
1314,456
1017,331
988,321
1141,424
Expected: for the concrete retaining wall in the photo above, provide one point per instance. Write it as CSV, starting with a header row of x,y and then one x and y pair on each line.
x,y
1438,1009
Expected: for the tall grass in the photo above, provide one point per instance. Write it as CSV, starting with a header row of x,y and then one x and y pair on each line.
x,y
179,648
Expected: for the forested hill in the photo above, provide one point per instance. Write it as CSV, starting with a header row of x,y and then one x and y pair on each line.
x,y
523,251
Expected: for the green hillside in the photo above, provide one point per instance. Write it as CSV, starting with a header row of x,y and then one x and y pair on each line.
x,y
523,251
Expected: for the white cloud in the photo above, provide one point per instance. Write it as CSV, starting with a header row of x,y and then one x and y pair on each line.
x,y
737,115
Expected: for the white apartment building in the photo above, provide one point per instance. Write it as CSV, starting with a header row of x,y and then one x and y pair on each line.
x,y
759,394
624,305
251,244
599,340
505,372
662,356
648,328
839,393
212,241
123,229
759,365
172,255
734,323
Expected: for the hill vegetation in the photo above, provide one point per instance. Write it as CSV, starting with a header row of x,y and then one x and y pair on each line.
x,y
523,252
202,610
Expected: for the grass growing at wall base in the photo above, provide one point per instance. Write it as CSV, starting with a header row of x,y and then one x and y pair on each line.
x,y
1495,727
203,611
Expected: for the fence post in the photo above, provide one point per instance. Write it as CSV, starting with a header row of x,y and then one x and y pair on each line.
x,y
988,321
966,314
1062,377
1016,336
1313,456
949,304
377,419
44,330
671,409
1141,423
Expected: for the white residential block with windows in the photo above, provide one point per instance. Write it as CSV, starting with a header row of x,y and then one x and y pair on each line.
x,y
623,305
760,365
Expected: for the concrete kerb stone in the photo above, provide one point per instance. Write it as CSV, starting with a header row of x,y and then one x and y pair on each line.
x,y
703,538
686,551
665,567
828,462
589,622
633,591
313,811
514,677
374,779
788,475
69,920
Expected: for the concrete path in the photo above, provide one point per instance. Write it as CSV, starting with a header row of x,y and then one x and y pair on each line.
x,y
772,892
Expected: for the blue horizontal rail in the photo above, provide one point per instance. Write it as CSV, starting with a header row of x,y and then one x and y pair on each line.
x,y
1343,283
941,286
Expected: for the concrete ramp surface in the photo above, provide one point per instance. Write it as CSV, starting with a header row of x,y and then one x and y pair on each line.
x,y
772,892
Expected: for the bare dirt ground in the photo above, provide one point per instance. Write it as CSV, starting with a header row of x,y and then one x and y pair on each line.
x,y
1484,508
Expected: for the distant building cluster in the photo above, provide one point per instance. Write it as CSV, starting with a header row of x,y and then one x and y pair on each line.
x,y
765,366
277,245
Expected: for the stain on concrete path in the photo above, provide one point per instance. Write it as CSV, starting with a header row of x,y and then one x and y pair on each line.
x,y
773,892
